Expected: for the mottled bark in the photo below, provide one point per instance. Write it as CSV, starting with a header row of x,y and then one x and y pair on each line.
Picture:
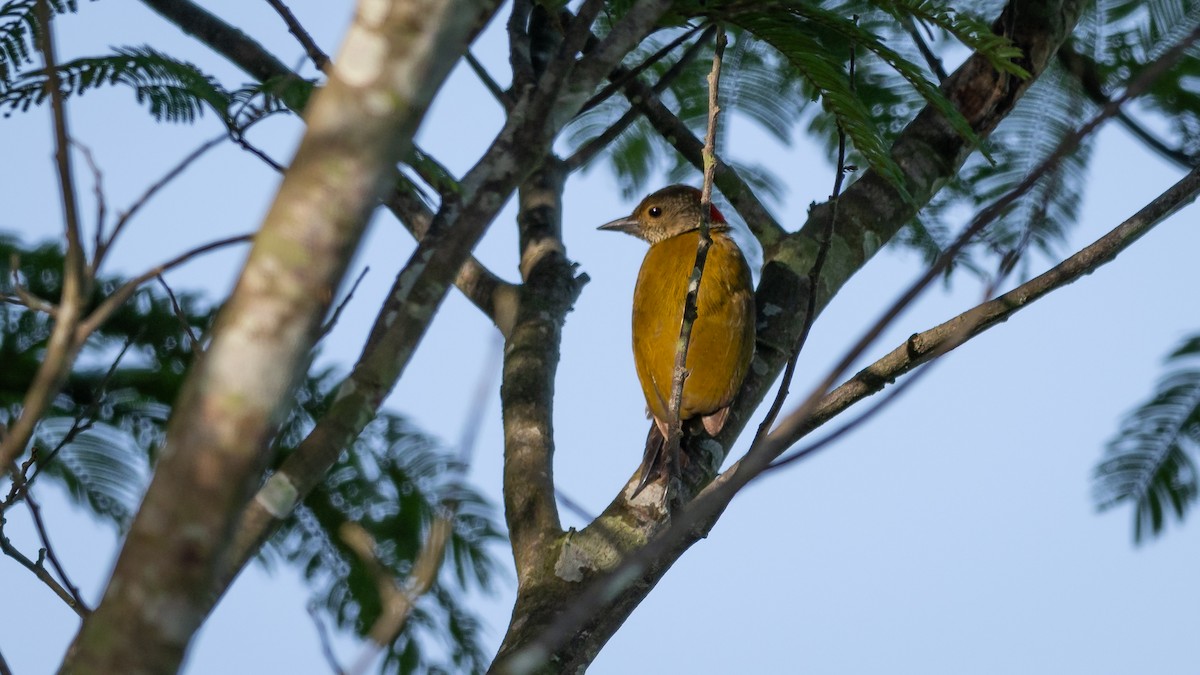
x,y
581,616
422,284
483,288
394,58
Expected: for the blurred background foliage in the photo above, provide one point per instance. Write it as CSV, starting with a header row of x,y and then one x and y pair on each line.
x,y
786,71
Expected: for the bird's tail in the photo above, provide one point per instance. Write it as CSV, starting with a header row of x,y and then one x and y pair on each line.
x,y
652,459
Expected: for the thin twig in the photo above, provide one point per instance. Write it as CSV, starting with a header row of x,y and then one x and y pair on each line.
x,y
814,278
1087,75
61,348
4,668
35,511
126,290
74,269
193,339
594,146
615,84
337,312
84,420
319,58
124,218
931,59
691,301
97,192
397,600
490,84
238,136
38,569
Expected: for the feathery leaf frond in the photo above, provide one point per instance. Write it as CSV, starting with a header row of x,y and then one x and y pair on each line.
x,y
1150,462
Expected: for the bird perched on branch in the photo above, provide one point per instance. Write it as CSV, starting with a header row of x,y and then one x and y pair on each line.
x,y
722,339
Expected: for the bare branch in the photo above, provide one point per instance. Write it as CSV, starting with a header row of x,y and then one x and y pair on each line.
x,y
626,75
65,591
61,349
193,339
760,221
319,58
397,600
594,146
1087,73
337,311
931,59
84,419
814,279
674,435
393,60
97,192
928,345
488,83
47,550
123,219
126,290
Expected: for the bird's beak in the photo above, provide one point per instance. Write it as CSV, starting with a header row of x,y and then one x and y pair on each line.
x,y
628,225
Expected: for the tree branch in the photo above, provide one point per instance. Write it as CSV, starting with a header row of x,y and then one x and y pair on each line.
x,y
760,221
66,593
930,152
1085,70
61,348
594,146
674,435
315,54
531,358
360,124
930,344
484,289
419,289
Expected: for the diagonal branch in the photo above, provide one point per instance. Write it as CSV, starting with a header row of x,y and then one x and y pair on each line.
x,y
393,60
484,289
61,348
674,435
1087,73
594,146
522,144
927,345
929,151
760,221
315,54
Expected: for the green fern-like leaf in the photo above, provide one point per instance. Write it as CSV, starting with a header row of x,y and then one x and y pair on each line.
x,y
172,90
806,46
1150,463
1050,111
18,26
393,483
997,49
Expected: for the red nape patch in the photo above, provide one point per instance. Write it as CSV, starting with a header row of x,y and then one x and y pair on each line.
x,y
714,215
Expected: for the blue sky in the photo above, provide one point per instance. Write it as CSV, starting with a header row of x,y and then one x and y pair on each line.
x,y
955,533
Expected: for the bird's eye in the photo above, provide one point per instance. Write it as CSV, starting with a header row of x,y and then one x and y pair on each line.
x,y
655,212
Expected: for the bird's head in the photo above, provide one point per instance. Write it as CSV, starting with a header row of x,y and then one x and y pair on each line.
x,y
672,210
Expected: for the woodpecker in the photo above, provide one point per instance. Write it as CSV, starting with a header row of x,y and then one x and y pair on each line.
x,y
722,340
